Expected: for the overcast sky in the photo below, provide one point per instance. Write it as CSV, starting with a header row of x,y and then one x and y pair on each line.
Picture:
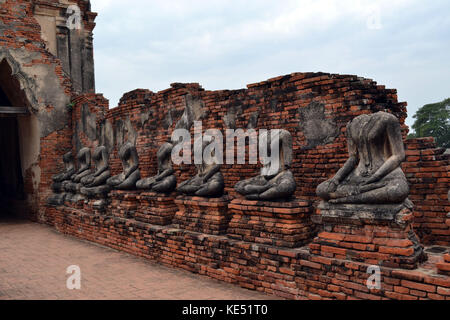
x,y
227,44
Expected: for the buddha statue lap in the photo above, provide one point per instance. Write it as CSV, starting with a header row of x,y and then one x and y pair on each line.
x,y
94,185
276,181
131,174
372,174
165,181
209,181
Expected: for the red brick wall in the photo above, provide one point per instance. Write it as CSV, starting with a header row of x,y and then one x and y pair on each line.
x,y
428,172
288,273
20,30
344,97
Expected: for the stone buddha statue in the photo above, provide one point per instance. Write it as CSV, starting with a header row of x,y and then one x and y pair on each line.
x,y
94,185
84,162
165,181
208,182
276,181
58,180
84,169
131,174
372,174
66,174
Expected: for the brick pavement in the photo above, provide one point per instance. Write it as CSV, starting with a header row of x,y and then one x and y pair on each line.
x,y
34,259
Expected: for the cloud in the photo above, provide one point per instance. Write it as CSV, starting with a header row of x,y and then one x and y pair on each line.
x,y
226,44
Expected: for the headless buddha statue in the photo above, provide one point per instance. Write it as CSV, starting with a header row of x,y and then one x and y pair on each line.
x,y
165,181
58,180
131,174
208,182
95,183
276,181
372,174
73,187
66,174
84,161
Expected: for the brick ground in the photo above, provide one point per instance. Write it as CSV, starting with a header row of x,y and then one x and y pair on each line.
x,y
34,258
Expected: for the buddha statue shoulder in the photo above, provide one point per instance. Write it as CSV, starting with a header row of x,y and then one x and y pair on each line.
x,y
165,181
84,163
209,181
276,181
130,174
372,174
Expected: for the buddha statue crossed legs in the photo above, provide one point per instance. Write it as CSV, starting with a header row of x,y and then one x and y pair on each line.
x,y
372,174
84,161
131,174
208,182
276,181
95,183
58,180
165,181
74,185
66,174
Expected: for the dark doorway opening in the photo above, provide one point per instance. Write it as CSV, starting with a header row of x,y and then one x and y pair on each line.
x,y
11,180
12,104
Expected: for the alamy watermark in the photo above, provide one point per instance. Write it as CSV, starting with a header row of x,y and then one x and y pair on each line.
x,y
74,17
74,280
374,281
374,18
212,147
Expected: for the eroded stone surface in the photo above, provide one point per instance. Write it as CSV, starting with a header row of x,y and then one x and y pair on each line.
x,y
372,174
317,129
58,180
276,181
209,181
165,181
94,185
131,174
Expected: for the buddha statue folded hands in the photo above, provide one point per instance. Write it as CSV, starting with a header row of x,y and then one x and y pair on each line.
x,y
165,181
73,186
276,181
372,174
94,185
131,174
209,181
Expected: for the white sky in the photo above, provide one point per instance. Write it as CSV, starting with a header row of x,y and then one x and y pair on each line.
x,y
227,44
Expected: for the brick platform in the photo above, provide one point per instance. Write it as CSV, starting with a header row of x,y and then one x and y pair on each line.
x,y
123,204
72,201
157,209
289,273
204,215
282,224
444,266
382,235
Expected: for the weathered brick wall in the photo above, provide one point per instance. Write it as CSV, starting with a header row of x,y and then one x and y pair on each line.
x,y
428,172
277,103
299,103
288,273
47,89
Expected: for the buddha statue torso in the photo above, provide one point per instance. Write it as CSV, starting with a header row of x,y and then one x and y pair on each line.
x,y
165,181
373,173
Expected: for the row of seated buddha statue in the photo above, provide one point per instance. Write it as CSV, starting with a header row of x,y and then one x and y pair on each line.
x,y
75,185
367,196
371,175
